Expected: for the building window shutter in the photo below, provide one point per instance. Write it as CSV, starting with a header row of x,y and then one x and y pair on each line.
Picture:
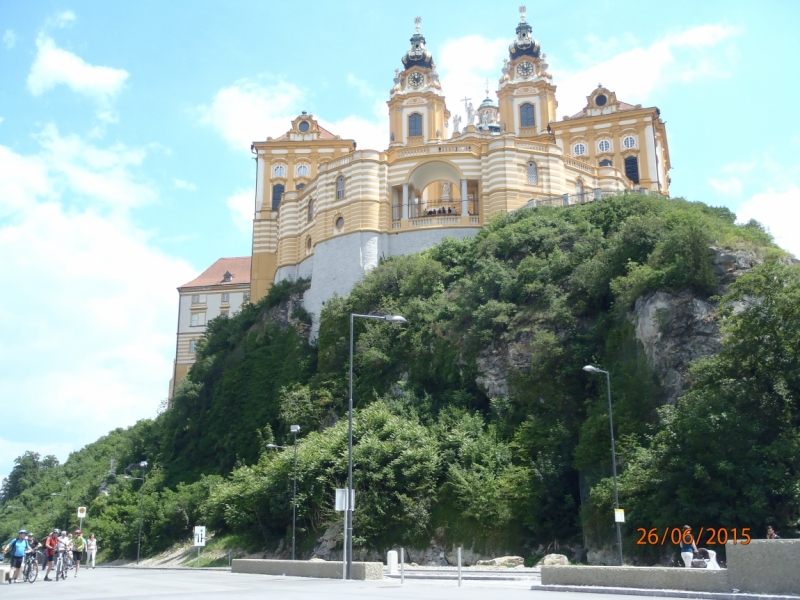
x,y
415,125
533,174
632,168
277,192
526,116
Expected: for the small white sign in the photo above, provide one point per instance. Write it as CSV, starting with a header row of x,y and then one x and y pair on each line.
x,y
341,499
619,515
81,512
199,535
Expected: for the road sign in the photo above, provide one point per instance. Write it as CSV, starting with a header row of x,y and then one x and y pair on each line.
x,y
341,499
619,515
81,512
200,535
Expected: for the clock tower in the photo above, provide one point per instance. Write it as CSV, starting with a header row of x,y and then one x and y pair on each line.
x,y
527,96
417,111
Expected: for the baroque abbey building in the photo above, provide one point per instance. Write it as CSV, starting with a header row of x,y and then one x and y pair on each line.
x,y
329,212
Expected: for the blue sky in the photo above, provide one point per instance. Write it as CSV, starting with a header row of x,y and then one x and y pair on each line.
x,y
125,166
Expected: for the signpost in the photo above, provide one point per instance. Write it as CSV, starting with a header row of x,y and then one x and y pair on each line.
x,y
342,506
199,539
81,516
619,515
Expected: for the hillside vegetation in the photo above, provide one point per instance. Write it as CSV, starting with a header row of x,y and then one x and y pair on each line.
x,y
509,465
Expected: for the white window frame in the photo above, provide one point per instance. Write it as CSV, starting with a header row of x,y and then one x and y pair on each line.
x,y
605,143
631,139
194,320
192,346
340,187
226,297
583,147
195,298
302,170
279,171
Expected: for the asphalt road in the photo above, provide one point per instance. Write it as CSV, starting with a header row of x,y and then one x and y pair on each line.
x,y
175,584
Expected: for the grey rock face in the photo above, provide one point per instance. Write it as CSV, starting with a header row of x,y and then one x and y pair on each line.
x,y
498,361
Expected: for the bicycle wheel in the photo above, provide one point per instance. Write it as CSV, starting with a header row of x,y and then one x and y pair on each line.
x,y
33,571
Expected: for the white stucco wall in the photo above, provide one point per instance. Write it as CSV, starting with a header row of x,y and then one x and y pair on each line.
x,y
341,262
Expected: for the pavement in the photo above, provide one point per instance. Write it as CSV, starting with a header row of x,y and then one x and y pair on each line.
x,y
156,584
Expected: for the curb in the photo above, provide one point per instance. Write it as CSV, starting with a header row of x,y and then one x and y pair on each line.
x,y
586,589
464,577
134,568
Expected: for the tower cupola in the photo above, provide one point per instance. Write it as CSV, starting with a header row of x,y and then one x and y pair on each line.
x,y
417,55
524,45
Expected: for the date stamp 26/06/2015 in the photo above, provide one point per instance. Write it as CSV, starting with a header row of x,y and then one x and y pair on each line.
x,y
676,535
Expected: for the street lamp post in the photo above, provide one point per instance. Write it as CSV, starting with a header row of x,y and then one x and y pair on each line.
x,y
142,465
349,514
294,429
592,369
66,513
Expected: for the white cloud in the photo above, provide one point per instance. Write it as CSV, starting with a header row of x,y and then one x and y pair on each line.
x,y
634,74
62,19
251,110
254,109
184,185
242,207
779,211
87,338
54,66
9,39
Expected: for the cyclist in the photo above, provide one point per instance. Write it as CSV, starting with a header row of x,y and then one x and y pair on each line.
x,y
50,547
78,546
33,550
18,546
62,550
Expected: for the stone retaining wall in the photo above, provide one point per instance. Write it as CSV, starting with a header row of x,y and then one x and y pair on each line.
x,y
302,568
760,567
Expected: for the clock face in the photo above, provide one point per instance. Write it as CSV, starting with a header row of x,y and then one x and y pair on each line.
x,y
416,79
525,69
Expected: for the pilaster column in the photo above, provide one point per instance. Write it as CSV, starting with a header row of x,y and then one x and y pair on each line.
x,y
405,201
464,203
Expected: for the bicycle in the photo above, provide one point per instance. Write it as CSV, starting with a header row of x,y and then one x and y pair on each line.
x,y
31,570
61,566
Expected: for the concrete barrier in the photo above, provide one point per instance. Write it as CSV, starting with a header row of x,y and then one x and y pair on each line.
x,y
302,568
765,566
760,567
695,580
4,569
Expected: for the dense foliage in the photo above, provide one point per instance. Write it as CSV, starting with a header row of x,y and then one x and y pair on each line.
x,y
435,454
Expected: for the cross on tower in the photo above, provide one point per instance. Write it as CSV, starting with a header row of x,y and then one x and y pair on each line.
x,y
522,11
417,23
465,100
487,88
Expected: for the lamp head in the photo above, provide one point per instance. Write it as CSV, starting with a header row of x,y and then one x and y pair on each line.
x,y
143,464
271,446
294,428
395,319
591,369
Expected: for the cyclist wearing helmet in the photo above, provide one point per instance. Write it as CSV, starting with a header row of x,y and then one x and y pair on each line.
x,y
18,546
50,546
78,546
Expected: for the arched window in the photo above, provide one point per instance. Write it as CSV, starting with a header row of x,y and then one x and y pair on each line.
x,y
279,171
604,145
526,116
340,188
414,124
579,149
606,162
277,192
299,186
533,174
632,168
310,210
629,142
302,170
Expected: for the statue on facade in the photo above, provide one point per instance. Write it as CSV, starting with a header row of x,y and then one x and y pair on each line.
x,y
446,191
456,124
470,115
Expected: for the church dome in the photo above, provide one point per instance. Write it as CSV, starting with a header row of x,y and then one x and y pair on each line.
x,y
417,55
488,103
524,45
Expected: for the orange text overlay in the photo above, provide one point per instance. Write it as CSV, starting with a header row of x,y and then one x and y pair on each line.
x,y
676,535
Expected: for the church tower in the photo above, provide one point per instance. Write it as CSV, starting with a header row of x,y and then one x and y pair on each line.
x,y
417,111
527,96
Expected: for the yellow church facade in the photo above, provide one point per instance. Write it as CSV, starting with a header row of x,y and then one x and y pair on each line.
x,y
328,211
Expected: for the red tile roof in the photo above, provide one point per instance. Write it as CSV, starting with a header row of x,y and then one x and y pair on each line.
x,y
620,106
324,134
213,275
